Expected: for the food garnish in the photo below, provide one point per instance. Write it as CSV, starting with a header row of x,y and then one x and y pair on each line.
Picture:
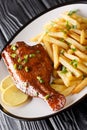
x,y
10,94
32,55
40,79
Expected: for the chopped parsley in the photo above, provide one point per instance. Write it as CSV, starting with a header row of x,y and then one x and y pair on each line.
x,y
37,51
25,61
62,52
15,66
47,96
40,79
19,60
68,27
86,47
61,39
36,94
74,63
25,56
73,49
74,27
26,68
32,55
72,12
20,67
68,43
64,69
64,31
13,47
13,55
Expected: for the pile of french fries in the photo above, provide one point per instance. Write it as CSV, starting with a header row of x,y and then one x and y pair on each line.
x,y
65,40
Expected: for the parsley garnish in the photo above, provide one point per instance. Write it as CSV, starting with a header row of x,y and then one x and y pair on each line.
x,y
13,47
20,67
74,27
64,69
40,79
25,56
32,55
61,39
86,47
73,49
68,26
47,96
37,51
62,52
68,43
64,31
74,63
72,12
19,60
15,66
13,55
25,61
26,68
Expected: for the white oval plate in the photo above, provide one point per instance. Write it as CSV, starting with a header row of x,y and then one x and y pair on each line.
x,y
37,108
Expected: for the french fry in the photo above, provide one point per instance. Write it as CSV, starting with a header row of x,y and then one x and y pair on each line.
x,y
79,87
76,17
58,81
64,78
50,25
58,42
82,37
75,36
84,62
58,87
82,67
69,76
70,51
81,19
83,26
68,91
41,37
64,62
71,20
57,34
76,31
76,81
75,43
81,55
70,56
49,49
55,55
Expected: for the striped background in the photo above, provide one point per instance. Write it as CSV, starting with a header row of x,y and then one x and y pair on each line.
x,y
13,15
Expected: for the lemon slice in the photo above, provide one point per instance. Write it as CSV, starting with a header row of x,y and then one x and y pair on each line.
x,y
6,82
13,96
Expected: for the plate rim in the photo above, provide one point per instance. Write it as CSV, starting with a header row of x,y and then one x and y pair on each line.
x,y
2,109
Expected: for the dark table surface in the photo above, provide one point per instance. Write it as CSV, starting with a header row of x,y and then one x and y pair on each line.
x,y
13,15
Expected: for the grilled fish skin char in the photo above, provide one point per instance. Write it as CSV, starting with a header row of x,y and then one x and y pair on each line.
x,y
31,69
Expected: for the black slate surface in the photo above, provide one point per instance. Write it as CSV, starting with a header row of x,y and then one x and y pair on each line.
x,y
13,15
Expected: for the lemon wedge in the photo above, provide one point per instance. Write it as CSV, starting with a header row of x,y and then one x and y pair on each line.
x,y
6,82
13,96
